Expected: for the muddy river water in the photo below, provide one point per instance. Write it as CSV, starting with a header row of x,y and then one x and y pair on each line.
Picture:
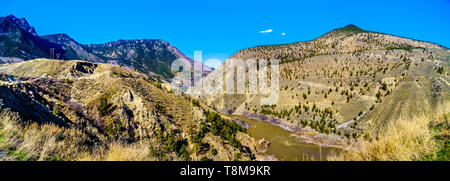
x,y
284,146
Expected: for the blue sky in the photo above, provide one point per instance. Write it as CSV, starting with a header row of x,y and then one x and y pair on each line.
x,y
220,29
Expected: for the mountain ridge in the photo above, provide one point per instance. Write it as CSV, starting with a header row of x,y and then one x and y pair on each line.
x,y
349,39
146,55
345,28
18,39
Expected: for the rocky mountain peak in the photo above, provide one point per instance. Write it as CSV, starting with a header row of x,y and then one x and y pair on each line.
x,y
350,28
11,21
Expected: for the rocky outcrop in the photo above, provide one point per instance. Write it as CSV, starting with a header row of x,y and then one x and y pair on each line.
x,y
18,39
24,99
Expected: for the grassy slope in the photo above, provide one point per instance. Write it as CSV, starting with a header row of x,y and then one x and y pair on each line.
x,y
410,124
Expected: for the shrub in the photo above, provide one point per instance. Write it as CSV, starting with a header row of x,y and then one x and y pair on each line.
x,y
158,85
171,142
213,151
237,155
160,108
68,81
55,112
104,108
109,128
440,70
384,86
378,96
183,152
196,103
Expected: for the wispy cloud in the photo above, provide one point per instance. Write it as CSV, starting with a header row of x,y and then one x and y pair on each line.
x,y
266,31
283,33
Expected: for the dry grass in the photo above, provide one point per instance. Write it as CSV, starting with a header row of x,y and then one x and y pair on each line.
x,y
39,142
116,151
51,142
403,140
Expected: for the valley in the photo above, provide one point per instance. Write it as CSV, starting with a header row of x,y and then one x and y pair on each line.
x,y
350,94
283,145
345,88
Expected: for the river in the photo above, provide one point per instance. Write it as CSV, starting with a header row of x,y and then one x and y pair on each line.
x,y
284,146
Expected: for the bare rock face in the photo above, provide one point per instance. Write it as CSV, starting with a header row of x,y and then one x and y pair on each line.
x,y
225,152
256,146
20,40
23,99
242,123
135,116
85,67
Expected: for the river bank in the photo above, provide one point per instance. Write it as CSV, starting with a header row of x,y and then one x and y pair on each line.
x,y
285,144
307,134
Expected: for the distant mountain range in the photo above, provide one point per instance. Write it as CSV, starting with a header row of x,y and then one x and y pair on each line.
x,y
20,42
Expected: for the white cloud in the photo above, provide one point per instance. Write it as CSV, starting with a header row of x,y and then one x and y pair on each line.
x,y
266,31
283,33
213,63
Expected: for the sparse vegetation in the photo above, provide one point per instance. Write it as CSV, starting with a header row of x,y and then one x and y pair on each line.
x,y
402,140
440,70
225,129
68,81
105,107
